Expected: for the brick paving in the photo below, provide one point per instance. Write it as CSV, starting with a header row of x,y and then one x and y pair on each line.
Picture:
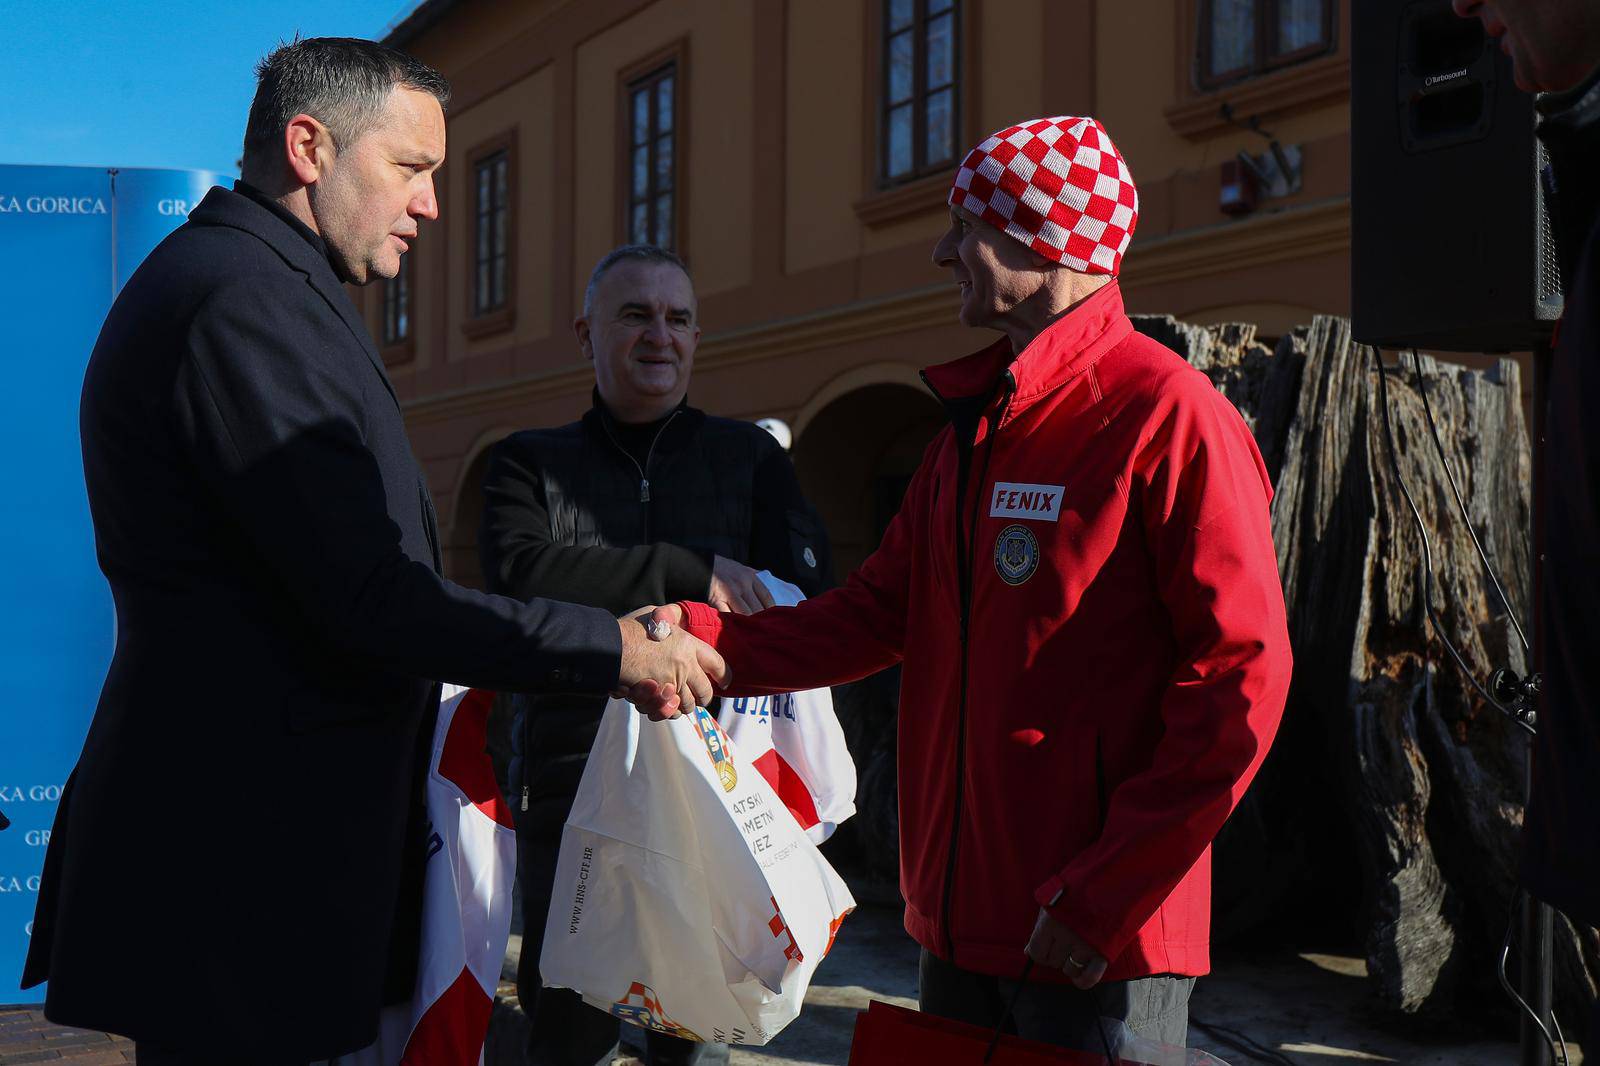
x,y
25,1037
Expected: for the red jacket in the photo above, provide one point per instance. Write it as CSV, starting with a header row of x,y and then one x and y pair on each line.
x,y
1082,585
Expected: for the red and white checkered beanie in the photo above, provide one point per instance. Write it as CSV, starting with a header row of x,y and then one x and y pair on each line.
x,y
1057,185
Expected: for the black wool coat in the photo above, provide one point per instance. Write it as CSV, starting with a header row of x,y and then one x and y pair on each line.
x,y
1561,834
237,856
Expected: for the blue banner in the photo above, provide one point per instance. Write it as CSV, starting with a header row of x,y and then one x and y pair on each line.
x,y
150,204
69,238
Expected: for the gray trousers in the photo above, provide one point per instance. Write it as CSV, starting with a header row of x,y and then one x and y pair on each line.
x,y
1154,1008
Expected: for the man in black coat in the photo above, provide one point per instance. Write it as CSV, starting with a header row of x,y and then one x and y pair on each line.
x,y
1555,50
237,858
645,500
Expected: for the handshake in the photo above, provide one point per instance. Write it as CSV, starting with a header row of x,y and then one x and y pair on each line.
x,y
665,670
663,666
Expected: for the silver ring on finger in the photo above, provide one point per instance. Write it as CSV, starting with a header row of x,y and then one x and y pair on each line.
x,y
1075,964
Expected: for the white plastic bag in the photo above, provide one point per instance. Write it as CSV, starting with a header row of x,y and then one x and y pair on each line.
x,y
686,897
797,744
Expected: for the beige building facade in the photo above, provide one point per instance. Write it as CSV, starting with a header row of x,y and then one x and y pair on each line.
x,y
797,153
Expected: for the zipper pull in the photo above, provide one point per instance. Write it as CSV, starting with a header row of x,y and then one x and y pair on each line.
x,y
524,797
644,490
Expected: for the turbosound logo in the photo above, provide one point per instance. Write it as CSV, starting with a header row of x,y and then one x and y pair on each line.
x,y
52,205
1438,79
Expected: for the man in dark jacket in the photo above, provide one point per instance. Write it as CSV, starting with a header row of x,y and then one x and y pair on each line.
x,y
1555,49
252,776
645,500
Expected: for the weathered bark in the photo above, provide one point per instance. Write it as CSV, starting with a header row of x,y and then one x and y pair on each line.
x,y
1383,733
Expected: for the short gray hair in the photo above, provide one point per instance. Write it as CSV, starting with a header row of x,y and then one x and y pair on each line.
x,y
637,253
342,82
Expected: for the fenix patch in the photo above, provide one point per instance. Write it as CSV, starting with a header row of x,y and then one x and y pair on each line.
x,y
1013,500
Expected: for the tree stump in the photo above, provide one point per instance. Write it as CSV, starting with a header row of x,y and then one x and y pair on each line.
x,y
1393,782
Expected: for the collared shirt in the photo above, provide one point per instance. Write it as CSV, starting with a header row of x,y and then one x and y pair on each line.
x,y
312,237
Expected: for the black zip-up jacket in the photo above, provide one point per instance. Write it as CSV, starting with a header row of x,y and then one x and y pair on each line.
x,y
571,515
1561,851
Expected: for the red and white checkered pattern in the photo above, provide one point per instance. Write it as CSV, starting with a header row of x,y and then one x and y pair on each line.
x,y
1057,185
466,901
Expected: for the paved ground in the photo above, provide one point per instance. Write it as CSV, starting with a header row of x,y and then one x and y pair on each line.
x,y
1310,1009
1316,1011
1313,1010
25,1037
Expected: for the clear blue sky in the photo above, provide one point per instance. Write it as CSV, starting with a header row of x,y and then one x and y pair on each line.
x,y
150,83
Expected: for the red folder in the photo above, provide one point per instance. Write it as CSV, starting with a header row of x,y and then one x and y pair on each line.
x,y
887,1035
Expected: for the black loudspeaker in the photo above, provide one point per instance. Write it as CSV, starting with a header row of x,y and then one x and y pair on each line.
x,y
1450,243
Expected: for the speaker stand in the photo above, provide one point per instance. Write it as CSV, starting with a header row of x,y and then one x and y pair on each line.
x,y
1538,920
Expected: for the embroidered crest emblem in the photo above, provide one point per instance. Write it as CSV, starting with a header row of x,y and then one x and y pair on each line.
x,y
1016,554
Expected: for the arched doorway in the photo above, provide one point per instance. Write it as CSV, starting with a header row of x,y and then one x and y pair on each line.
x,y
855,457
460,547
858,444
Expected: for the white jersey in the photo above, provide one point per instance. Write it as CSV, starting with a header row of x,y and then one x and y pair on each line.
x,y
796,743
466,901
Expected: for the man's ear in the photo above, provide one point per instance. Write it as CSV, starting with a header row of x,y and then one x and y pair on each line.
x,y
309,148
580,326
1040,262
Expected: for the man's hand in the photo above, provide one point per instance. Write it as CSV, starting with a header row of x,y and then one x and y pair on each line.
x,y
1053,944
736,588
664,620
658,674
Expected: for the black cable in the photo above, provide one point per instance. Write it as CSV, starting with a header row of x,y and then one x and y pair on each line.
x,y
1427,553
1488,567
1100,1024
1505,983
1011,1006
1016,994
1461,504
1240,1042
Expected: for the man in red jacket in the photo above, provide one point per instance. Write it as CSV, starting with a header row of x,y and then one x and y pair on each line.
x,y
1082,586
